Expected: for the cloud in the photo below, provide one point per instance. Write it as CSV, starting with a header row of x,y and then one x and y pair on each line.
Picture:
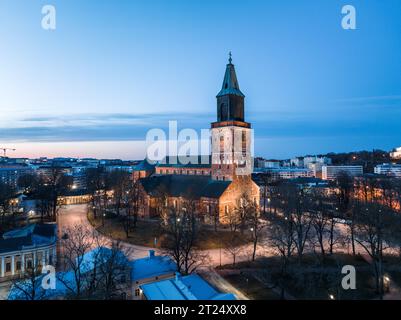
x,y
342,119
98,127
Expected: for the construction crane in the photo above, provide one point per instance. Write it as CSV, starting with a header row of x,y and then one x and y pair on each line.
x,y
5,151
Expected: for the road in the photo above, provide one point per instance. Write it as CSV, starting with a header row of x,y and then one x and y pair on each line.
x,y
72,215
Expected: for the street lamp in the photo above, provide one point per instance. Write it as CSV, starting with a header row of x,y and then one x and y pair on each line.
x,y
386,282
331,297
221,244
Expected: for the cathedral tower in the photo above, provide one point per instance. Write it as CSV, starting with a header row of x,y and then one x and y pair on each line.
x,y
231,135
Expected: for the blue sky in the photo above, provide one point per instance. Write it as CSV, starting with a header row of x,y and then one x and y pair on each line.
x,y
112,70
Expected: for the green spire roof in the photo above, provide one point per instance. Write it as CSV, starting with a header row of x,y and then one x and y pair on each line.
x,y
230,82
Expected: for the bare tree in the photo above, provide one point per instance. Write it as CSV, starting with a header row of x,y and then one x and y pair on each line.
x,y
243,210
256,225
232,218
119,181
234,247
266,180
7,192
57,183
319,218
77,243
370,236
113,272
182,231
344,186
213,213
131,203
28,286
281,238
95,185
161,202
301,220
281,235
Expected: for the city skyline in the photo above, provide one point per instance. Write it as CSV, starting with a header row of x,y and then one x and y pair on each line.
x,y
121,77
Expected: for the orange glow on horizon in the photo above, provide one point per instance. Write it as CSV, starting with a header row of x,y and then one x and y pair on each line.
x,y
128,150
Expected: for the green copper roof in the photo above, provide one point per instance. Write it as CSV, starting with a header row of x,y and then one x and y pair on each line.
x,y
230,82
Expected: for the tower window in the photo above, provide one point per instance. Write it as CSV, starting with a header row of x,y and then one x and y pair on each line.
x,y
243,143
221,149
223,112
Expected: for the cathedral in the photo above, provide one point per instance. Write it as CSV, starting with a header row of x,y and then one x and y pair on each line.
x,y
217,187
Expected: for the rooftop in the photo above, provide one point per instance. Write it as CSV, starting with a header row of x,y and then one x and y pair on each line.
x,y
28,236
152,266
184,186
191,287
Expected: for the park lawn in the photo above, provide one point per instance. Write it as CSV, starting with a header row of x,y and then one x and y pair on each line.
x,y
144,234
313,285
315,279
211,239
147,230
252,287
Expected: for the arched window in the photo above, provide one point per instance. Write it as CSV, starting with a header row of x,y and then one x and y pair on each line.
x,y
221,149
244,143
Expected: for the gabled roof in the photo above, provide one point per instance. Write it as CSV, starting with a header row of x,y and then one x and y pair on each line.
x,y
215,189
191,287
199,162
184,186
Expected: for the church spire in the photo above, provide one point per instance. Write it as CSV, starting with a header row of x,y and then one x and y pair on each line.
x,y
230,82
230,99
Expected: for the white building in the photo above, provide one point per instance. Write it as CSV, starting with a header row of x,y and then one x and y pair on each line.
x,y
9,174
286,172
316,159
263,163
303,162
389,169
297,162
396,154
30,247
332,172
316,168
